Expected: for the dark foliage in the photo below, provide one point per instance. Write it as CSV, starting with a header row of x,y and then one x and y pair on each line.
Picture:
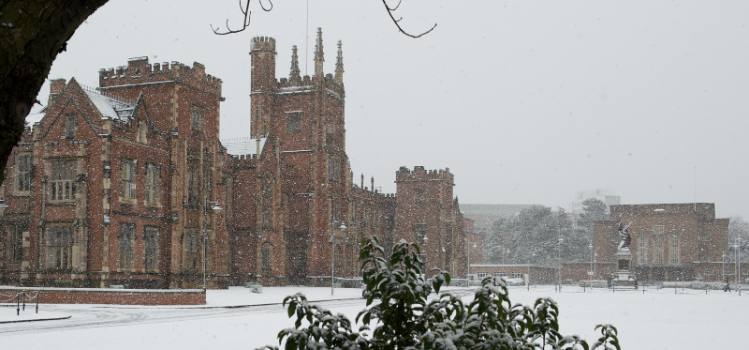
x,y
400,315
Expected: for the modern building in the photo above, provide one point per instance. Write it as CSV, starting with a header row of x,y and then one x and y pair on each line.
x,y
605,195
129,184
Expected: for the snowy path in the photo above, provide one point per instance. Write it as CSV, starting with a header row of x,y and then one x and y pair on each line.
x,y
658,319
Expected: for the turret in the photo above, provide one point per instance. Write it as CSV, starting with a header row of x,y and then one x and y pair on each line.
x,y
294,75
339,65
319,56
263,54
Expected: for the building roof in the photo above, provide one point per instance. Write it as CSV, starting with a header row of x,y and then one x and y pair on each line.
x,y
110,107
243,145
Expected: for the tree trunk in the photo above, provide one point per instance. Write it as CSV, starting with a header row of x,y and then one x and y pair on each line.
x,y
32,33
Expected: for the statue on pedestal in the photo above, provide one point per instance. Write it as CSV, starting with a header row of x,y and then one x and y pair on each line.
x,y
624,236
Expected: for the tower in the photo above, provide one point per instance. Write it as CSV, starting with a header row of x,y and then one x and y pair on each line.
x,y
263,54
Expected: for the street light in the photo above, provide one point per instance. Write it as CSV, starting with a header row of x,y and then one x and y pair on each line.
x,y
332,260
591,260
559,273
216,208
468,271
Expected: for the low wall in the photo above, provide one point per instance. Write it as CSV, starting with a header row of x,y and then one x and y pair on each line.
x,y
113,296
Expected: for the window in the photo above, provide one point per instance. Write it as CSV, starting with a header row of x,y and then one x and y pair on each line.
x,y
418,195
267,202
141,138
334,167
151,249
708,271
331,127
265,253
196,118
658,247
193,186
127,183
643,249
673,250
15,240
482,275
420,234
153,178
517,275
23,171
192,251
294,122
126,237
502,275
60,247
61,185
70,126
335,215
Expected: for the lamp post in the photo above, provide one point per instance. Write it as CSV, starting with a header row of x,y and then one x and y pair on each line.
x,y
332,259
559,273
468,271
738,277
216,208
591,261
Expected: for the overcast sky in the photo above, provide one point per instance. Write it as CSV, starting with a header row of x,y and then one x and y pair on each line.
x,y
525,102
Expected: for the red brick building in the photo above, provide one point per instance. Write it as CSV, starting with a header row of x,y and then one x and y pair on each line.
x,y
116,185
670,242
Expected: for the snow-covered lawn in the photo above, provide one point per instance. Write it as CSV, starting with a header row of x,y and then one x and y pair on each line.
x,y
657,319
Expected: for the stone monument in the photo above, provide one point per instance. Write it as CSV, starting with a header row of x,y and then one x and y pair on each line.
x,y
625,277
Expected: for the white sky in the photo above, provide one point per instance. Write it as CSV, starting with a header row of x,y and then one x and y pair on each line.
x,y
524,102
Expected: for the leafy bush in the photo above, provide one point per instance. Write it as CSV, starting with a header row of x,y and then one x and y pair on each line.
x,y
405,318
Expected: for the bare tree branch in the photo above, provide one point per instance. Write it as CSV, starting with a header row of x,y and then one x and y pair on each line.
x,y
247,17
396,21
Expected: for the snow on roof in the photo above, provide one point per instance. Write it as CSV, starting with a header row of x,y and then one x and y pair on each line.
x,y
109,107
243,145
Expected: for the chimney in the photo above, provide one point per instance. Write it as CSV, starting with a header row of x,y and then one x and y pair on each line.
x,y
55,89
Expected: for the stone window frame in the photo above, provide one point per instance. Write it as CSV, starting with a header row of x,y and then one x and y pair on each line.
x,y
193,185
642,248
153,184
266,201
151,249
15,232
658,244
420,233
59,239
266,258
334,167
294,122
197,118
142,135
673,250
126,237
418,195
70,126
24,166
61,184
128,183
192,251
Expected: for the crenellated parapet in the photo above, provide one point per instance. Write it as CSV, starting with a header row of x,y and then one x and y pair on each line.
x,y
139,72
263,43
366,193
404,174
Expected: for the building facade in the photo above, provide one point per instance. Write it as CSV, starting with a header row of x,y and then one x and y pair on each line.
x,y
117,185
670,242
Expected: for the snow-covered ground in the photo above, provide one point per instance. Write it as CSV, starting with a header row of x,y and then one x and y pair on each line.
x,y
657,319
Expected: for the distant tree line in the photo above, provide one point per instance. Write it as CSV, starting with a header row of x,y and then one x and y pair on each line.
x,y
540,235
